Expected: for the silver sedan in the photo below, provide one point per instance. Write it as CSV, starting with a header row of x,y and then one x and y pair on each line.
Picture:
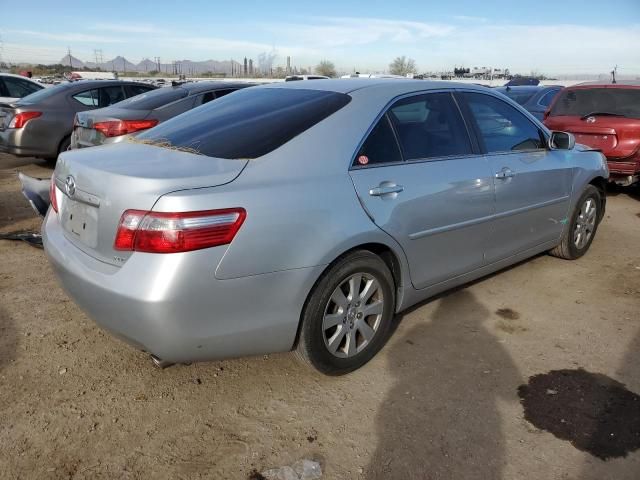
x,y
304,216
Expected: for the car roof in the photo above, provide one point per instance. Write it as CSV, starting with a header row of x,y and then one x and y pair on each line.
x,y
197,87
388,85
619,83
18,76
82,84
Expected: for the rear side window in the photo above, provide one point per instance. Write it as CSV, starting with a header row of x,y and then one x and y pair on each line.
x,y
250,123
500,126
430,126
88,98
19,88
153,99
380,146
584,101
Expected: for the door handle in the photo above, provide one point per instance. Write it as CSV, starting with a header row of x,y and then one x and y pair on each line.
x,y
385,188
505,173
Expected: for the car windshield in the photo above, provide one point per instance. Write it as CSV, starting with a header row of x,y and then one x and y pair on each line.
x,y
248,123
153,99
584,101
519,96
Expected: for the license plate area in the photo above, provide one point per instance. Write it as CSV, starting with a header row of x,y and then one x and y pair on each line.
x,y
80,221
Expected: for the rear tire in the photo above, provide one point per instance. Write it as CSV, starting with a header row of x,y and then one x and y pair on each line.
x,y
63,147
582,227
348,315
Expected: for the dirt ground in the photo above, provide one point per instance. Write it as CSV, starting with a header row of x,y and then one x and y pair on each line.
x,y
439,402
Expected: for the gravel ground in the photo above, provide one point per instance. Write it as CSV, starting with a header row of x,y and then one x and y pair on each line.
x,y
441,401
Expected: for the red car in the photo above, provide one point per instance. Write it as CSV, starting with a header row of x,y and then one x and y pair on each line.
x,y
606,117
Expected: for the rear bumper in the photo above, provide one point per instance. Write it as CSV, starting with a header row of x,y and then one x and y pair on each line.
x,y
173,306
20,143
624,173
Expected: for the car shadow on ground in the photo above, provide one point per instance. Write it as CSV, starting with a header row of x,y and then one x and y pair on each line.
x,y
8,338
441,418
622,468
633,192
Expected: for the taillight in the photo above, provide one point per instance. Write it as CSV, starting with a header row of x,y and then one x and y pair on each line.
x,y
21,118
160,232
115,128
52,194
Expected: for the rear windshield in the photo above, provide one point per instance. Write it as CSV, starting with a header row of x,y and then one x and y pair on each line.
x,y
584,101
248,123
43,94
153,99
520,97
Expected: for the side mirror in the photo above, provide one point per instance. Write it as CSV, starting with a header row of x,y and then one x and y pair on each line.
x,y
562,141
546,114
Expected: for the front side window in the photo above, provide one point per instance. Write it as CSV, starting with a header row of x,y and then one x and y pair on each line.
x,y
380,146
580,102
430,126
111,95
501,127
88,98
133,90
248,124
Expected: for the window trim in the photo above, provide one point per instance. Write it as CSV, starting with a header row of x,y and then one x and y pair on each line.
x,y
475,149
476,129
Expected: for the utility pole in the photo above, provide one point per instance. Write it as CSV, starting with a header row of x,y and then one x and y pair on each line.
x,y
69,55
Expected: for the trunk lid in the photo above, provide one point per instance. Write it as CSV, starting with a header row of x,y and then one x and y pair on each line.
x,y
97,185
616,137
84,135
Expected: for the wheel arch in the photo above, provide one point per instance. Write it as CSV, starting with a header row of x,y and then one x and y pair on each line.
x,y
601,184
388,256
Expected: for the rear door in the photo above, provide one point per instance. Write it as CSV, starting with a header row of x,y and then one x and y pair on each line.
x,y
419,178
532,183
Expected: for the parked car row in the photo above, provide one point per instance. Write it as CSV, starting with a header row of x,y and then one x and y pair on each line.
x,y
84,113
329,206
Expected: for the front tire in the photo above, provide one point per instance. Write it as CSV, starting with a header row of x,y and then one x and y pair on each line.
x,y
582,227
347,317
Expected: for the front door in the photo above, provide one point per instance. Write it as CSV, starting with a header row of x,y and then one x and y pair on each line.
x,y
418,177
532,183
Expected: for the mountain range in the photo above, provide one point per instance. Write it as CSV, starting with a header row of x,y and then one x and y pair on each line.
x,y
188,67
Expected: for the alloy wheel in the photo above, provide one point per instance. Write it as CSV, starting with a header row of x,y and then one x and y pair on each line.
x,y
352,315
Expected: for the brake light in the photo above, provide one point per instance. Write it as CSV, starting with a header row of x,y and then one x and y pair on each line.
x,y
160,232
115,128
52,194
20,119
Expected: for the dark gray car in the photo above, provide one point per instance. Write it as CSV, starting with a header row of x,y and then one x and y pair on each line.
x,y
135,115
534,98
40,124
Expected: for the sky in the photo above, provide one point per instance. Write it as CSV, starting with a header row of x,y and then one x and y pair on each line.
x,y
554,37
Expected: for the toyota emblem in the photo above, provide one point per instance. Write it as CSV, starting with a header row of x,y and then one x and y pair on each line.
x,y
70,186
591,119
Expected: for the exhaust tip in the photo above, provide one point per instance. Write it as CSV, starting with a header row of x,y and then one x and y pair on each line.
x,y
158,362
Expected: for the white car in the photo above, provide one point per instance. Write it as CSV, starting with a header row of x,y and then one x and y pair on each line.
x,y
14,87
